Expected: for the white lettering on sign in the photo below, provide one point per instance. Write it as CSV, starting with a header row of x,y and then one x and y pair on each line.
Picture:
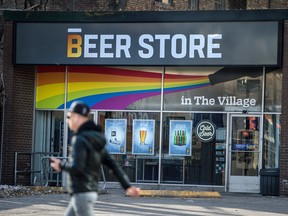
x,y
205,131
90,46
98,46
183,44
186,101
179,42
109,46
162,41
223,101
201,100
212,45
149,49
234,101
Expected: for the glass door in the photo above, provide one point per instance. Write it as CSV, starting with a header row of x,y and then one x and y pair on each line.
x,y
244,153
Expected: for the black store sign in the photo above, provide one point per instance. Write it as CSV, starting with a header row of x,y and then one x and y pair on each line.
x,y
207,43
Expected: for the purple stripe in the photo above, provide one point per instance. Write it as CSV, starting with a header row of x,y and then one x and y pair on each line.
x,y
121,102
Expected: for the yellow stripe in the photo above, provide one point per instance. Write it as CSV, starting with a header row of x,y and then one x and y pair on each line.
x,y
51,90
180,84
52,102
107,87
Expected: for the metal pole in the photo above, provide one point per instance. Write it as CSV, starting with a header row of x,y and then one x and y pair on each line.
x,y
15,168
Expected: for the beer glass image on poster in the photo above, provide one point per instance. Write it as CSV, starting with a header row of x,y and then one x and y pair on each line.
x,y
180,137
143,137
115,133
143,134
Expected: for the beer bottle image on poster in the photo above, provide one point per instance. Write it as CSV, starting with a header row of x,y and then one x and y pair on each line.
x,y
180,134
143,136
115,133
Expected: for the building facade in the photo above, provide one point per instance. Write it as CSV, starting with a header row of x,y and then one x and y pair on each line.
x,y
186,100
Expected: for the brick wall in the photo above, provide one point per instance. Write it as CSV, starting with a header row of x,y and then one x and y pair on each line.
x,y
279,4
284,118
147,5
206,5
140,5
18,122
19,81
260,4
91,5
266,4
79,5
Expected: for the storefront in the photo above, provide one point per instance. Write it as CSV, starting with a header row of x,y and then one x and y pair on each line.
x,y
184,103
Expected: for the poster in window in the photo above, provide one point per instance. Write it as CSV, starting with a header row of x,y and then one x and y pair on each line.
x,y
115,133
180,134
143,136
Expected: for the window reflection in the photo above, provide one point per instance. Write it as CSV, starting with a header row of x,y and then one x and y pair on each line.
x,y
271,141
206,165
139,168
213,89
273,91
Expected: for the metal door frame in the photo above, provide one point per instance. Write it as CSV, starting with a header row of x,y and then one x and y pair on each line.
x,y
229,144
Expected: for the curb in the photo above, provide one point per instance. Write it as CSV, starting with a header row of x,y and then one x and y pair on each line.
x,y
180,194
144,193
46,188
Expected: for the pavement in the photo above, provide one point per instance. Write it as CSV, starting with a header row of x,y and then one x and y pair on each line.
x,y
115,203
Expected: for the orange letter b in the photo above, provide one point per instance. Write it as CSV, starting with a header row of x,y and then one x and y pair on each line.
x,y
76,46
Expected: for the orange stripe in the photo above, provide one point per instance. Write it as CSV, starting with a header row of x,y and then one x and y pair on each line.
x,y
50,78
115,71
84,77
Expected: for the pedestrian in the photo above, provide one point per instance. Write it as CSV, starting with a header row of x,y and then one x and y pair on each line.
x,y
84,164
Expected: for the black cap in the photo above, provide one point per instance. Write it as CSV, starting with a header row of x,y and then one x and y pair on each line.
x,y
80,108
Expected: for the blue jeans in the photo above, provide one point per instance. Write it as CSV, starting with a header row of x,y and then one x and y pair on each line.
x,y
81,204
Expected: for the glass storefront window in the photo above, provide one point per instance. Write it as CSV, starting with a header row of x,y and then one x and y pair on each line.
x,y
191,95
140,166
213,89
49,133
271,141
273,90
205,165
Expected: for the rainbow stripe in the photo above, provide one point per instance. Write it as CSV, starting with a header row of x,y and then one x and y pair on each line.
x,y
177,83
111,88
50,87
106,88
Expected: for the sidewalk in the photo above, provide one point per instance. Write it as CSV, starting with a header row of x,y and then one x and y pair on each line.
x,y
114,203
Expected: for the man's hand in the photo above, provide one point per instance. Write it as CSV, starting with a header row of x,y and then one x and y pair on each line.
x,y
133,191
55,164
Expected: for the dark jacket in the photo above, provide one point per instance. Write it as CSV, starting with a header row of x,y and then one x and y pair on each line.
x,y
87,155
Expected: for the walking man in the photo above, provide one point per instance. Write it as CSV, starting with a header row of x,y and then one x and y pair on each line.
x,y
84,164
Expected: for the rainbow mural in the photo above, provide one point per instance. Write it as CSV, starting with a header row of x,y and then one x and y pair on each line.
x,y
111,88
177,83
106,88
50,87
